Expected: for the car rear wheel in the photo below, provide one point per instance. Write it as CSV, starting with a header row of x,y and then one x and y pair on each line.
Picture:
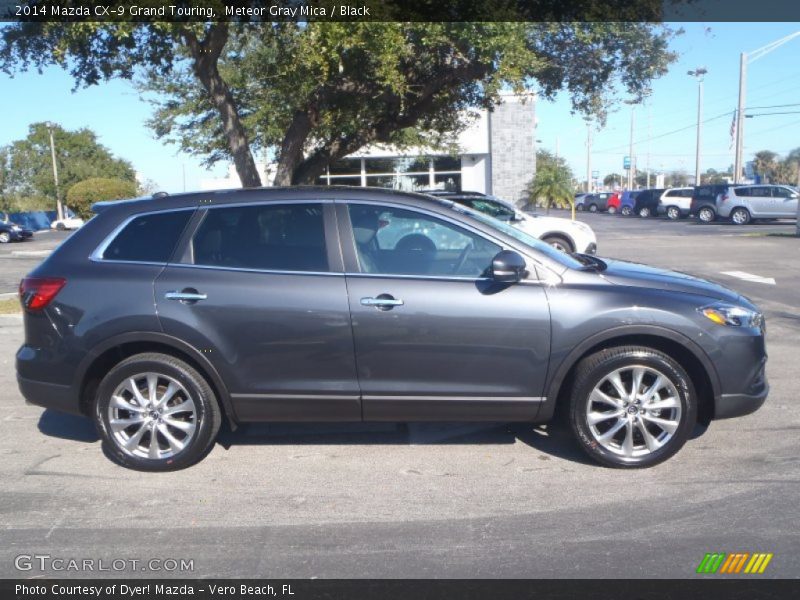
x,y
612,210
559,243
673,213
626,211
631,406
740,216
155,412
593,208
61,226
644,212
579,207
706,214
5,237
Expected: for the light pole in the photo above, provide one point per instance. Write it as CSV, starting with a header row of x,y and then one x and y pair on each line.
x,y
59,208
744,60
632,166
699,74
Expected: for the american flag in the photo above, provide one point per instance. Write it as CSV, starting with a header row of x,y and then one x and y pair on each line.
x,y
733,131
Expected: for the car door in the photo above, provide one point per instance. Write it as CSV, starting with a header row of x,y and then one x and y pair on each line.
x,y
259,290
784,202
435,338
759,201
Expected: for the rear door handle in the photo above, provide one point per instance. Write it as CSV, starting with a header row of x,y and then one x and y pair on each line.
x,y
185,296
382,302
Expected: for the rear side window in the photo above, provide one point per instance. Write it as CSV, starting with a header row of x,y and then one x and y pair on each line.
x,y
270,237
149,238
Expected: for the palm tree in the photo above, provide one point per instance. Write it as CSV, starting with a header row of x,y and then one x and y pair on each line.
x,y
553,186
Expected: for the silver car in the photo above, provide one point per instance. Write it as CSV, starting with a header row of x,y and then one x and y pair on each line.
x,y
744,203
675,202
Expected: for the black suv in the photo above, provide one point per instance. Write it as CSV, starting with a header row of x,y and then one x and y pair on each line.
x,y
704,201
162,316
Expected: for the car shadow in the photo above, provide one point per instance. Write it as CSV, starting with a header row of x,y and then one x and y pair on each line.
x,y
67,427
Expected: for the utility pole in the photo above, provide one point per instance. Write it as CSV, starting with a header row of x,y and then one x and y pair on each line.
x,y
632,167
588,158
699,73
59,208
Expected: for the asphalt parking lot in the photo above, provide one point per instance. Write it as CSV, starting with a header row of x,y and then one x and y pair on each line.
x,y
452,500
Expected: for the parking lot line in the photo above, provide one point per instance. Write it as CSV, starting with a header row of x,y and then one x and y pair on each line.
x,y
749,277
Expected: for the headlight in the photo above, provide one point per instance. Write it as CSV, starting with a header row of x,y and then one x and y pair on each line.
x,y
16,228
732,315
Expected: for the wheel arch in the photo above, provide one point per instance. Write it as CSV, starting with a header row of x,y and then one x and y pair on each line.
x,y
560,234
682,349
111,351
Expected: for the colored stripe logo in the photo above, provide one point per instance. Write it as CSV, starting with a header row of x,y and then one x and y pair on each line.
x,y
734,563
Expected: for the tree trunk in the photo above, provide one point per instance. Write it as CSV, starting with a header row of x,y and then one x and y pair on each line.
x,y
291,154
205,56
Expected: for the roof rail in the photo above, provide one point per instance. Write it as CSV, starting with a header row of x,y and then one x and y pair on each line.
x,y
160,194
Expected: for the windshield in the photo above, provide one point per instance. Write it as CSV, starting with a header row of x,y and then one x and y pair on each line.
x,y
560,257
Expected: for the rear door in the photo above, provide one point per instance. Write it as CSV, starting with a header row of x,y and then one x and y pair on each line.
x,y
259,290
760,201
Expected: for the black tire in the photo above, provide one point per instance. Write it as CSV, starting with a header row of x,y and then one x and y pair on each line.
x,y
644,212
593,208
579,207
673,213
740,216
559,243
207,419
5,237
593,369
626,211
706,215
612,210
60,227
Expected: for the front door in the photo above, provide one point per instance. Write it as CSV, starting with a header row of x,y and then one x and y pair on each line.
x,y
784,202
435,339
259,292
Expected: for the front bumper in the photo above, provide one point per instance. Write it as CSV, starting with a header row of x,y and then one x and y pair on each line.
x,y
737,405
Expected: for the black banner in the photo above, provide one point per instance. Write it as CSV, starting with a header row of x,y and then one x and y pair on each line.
x,y
78,589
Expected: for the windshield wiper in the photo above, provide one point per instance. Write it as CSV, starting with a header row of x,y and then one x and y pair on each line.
x,y
590,262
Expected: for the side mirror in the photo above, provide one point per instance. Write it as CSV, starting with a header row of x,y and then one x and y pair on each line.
x,y
508,267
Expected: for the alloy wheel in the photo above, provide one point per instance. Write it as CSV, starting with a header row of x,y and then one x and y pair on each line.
x,y
626,211
706,215
644,212
673,213
633,411
740,216
152,415
4,237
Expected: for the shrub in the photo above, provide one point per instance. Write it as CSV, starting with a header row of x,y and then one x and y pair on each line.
x,y
82,195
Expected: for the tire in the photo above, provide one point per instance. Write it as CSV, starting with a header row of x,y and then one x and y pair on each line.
x,y
644,212
626,211
193,430
559,243
593,208
740,216
612,210
706,215
60,227
673,213
5,237
579,207
627,446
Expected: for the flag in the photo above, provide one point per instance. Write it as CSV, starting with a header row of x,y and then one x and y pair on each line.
x,y
733,131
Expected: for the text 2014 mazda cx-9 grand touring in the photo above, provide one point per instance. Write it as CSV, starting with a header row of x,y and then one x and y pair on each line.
x,y
162,316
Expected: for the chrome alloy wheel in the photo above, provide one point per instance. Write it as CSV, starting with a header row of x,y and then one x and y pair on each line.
x,y
151,415
633,411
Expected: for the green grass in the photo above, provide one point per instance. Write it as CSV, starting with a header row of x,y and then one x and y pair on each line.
x,y
9,306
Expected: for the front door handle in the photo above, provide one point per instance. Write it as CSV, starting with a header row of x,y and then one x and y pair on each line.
x,y
187,296
382,302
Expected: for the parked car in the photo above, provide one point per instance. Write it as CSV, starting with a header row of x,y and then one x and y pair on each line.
x,y
579,200
675,203
614,203
11,232
594,202
744,203
68,222
161,317
627,202
647,202
564,234
704,201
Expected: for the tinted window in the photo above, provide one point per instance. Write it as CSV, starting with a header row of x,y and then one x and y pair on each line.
x,y
395,241
493,209
149,238
780,192
280,237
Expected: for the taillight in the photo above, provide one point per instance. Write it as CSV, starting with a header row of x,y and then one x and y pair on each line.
x,y
37,292
724,197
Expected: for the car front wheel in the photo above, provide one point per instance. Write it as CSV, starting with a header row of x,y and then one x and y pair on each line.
x,y
612,210
626,211
740,216
673,213
644,212
559,243
155,412
5,237
706,215
631,406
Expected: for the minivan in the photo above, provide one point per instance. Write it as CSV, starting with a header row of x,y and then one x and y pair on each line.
x,y
162,316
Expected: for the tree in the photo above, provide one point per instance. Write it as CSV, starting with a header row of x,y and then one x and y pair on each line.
x,y
28,169
612,179
313,93
767,165
81,196
553,184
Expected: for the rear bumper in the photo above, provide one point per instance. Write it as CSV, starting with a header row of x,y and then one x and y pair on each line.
x,y
49,395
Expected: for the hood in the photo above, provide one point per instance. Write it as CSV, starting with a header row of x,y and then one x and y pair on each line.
x,y
633,274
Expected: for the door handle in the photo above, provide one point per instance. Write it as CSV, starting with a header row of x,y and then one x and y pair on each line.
x,y
185,296
382,302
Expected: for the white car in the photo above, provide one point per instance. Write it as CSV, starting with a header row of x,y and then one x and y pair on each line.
x,y
675,203
70,221
564,234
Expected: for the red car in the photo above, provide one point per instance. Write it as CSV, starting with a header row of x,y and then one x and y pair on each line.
x,y
613,204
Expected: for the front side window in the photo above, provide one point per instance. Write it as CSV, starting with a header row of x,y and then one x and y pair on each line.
x,y
395,241
493,209
148,238
279,237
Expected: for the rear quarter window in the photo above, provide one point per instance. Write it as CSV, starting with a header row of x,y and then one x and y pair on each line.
x,y
148,238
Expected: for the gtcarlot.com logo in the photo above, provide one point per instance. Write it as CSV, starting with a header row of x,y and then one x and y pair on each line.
x,y
721,563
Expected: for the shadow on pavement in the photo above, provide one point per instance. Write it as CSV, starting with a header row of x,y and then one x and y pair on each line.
x,y
67,427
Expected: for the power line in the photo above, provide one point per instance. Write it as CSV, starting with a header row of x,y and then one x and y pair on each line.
x,y
773,106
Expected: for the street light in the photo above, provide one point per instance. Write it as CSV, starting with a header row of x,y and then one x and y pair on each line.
x,y
59,208
699,73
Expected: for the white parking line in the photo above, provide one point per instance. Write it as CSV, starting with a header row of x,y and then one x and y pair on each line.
x,y
750,277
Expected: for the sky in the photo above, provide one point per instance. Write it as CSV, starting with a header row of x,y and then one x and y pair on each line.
x,y
117,114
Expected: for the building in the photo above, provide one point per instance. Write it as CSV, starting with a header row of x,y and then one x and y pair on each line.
x,y
495,155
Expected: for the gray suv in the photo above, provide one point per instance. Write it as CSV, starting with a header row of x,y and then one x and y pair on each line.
x,y
163,316
747,202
